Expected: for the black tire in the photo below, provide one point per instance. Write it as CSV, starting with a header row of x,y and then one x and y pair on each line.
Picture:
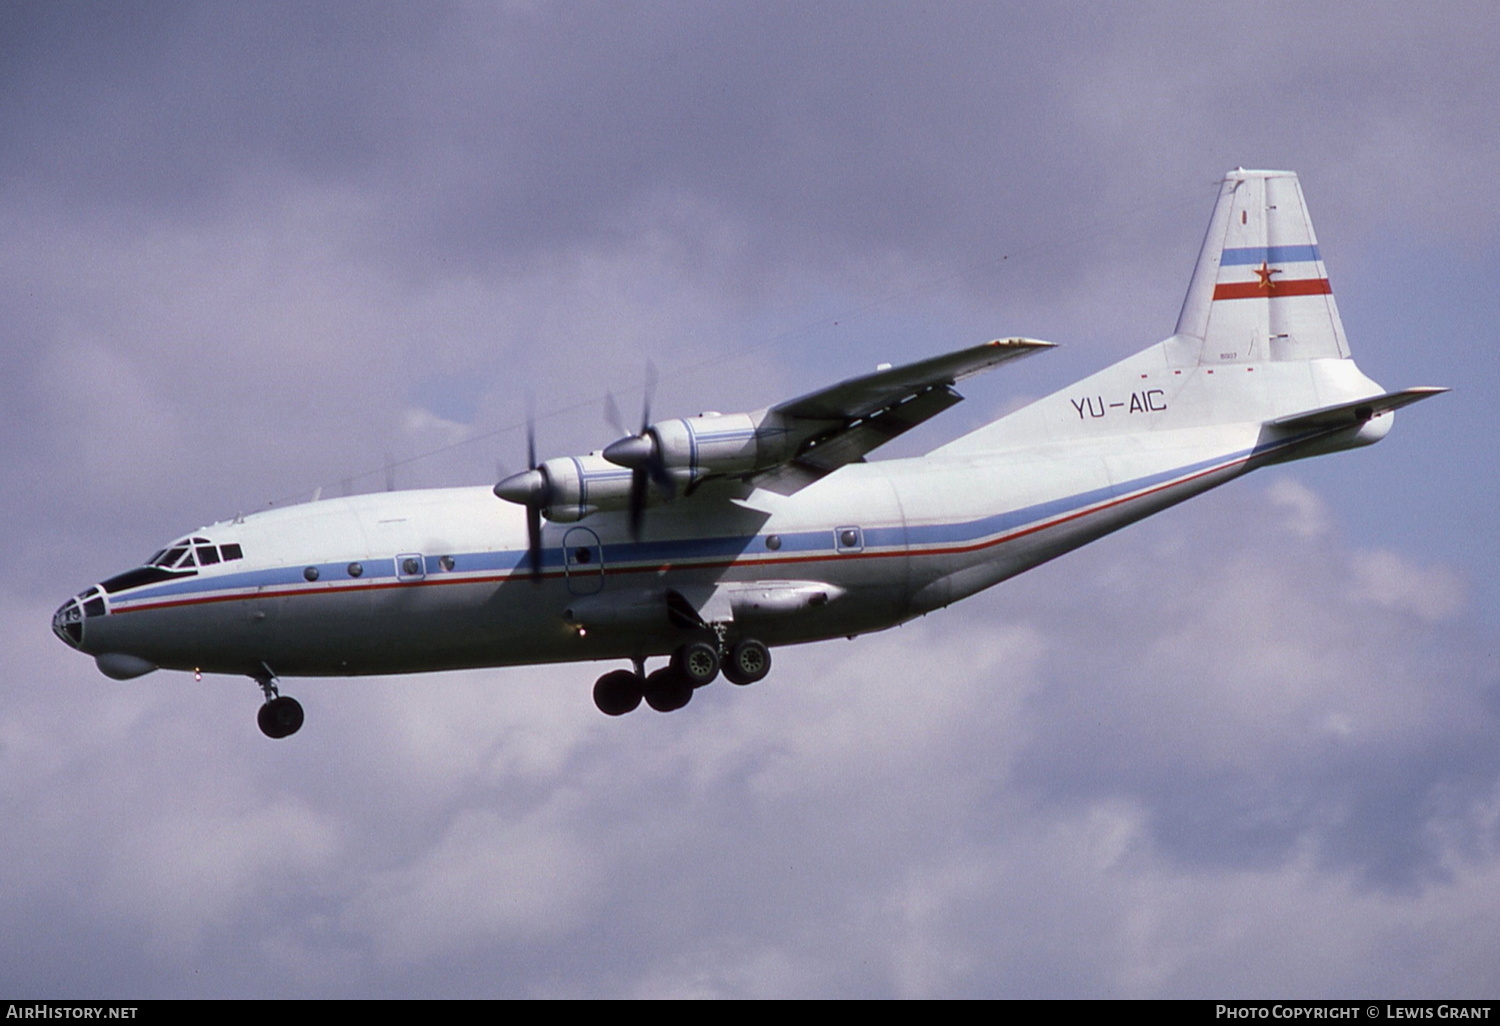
x,y
618,692
697,662
748,662
667,690
280,717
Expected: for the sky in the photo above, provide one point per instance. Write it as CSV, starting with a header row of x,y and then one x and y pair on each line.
x,y
1245,748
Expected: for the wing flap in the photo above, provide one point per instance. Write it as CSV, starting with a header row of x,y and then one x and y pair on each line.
x,y
839,425
822,455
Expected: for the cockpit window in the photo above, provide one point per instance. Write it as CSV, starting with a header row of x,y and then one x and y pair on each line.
x,y
194,551
142,575
180,559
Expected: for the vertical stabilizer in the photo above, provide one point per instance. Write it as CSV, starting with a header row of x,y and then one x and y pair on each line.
x,y
1258,341
1260,292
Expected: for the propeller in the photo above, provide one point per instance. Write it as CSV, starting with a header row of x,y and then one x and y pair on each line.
x,y
641,452
533,489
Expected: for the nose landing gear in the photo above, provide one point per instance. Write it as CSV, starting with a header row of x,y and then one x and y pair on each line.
x,y
692,666
281,715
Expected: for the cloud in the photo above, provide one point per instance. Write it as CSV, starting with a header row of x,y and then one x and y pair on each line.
x,y
1256,700
1386,579
1306,515
1165,765
1244,747
487,880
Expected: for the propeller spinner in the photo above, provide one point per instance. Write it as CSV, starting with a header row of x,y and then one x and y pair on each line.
x,y
531,488
640,452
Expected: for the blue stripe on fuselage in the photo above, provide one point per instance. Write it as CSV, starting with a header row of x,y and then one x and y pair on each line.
x,y
682,552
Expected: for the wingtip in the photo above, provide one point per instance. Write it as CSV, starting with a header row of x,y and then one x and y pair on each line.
x,y
1417,393
1023,343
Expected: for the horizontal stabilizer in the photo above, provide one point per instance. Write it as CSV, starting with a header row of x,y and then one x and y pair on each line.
x,y
1356,412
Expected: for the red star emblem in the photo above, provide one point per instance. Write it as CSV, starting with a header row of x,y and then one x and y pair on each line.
x,y
1264,272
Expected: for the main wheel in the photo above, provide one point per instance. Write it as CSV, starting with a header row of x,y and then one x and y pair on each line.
x,y
618,692
667,690
698,662
748,662
280,717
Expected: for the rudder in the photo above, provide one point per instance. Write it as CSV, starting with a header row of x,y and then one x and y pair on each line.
x,y
1260,291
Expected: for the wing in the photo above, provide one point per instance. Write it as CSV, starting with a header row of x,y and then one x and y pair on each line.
x,y
840,424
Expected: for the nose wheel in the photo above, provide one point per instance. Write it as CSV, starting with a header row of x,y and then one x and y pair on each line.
x,y
281,715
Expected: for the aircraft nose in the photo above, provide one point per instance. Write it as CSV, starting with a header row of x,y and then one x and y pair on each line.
x,y
67,623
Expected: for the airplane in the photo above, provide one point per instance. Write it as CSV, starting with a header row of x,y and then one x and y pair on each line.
x,y
712,539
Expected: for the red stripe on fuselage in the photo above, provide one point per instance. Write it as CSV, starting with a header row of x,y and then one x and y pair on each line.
x,y
1256,290
689,564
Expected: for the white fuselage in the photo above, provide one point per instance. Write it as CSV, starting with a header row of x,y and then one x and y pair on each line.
x,y
439,579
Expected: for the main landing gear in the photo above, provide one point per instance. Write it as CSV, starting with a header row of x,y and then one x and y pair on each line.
x,y
692,666
281,715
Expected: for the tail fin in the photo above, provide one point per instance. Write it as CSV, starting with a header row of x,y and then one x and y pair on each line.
x,y
1258,342
1260,292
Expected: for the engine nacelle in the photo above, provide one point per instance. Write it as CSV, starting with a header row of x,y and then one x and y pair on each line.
x,y
690,448
671,452
580,485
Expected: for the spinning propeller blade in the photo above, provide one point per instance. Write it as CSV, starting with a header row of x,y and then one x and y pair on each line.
x,y
641,452
534,508
530,488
